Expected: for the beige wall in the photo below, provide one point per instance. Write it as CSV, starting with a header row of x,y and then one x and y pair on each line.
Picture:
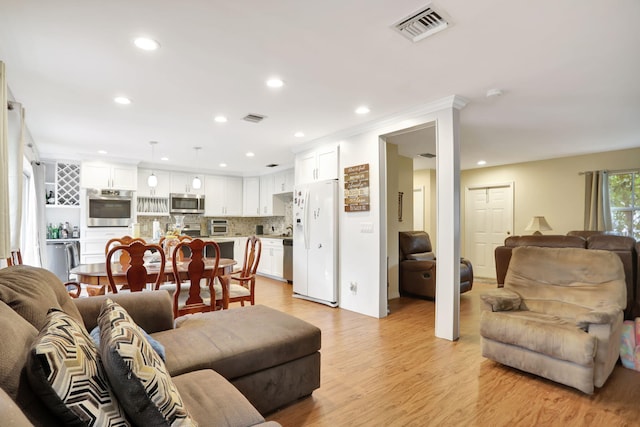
x,y
427,178
399,179
552,188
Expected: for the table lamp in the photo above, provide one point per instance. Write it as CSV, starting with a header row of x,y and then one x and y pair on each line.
x,y
537,224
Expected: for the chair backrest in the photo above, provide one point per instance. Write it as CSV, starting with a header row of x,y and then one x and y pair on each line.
x,y
414,242
124,240
137,275
566,281
15,258
195,272
252,252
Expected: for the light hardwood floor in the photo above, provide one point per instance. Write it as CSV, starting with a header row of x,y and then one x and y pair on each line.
x,y
394,372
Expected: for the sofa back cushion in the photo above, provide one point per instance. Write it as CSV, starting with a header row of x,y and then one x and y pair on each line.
x,y
32,291
566,281
547,241
16,337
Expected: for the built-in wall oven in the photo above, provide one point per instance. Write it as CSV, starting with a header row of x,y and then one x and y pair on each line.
x,y
109,208
218,227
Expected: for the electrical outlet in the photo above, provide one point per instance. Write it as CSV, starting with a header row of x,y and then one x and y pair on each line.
x,y
353,287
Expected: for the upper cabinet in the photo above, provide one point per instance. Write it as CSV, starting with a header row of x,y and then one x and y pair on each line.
x,y
161,190
223,196
269,205
317,165
108,176
283,182
183,183
251,196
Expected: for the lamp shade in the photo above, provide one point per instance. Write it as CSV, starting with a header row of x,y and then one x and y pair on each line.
x,y
152,180
196,183
537,224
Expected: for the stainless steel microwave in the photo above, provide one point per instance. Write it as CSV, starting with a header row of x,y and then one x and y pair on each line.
x,y
109,208
186,203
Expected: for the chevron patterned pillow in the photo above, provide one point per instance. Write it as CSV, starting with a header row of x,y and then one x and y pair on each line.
x,y
137,374
65,371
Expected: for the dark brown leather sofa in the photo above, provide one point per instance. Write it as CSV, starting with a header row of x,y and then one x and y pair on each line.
x,y
418,266
625,247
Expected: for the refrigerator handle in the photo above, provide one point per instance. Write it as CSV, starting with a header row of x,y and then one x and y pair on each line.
x,y
306,219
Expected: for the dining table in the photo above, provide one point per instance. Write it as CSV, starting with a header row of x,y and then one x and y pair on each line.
x,y
94,275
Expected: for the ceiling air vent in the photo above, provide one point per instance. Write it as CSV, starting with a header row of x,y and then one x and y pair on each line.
x,y
254,118
421,24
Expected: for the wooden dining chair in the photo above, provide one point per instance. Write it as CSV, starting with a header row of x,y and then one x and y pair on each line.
x,y
197,294
15,258
245,289
124,240
137,275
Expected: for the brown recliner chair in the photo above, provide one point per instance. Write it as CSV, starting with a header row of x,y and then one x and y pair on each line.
x,y
418,266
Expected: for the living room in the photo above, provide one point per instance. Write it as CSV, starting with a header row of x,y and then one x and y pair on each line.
x,y
545,170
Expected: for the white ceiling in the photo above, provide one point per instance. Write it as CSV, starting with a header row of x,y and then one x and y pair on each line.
x,y
569,70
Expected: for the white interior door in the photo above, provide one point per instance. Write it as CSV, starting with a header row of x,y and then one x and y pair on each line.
x,y
418,208
488,221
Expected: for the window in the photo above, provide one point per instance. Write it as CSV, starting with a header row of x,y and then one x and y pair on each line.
x,y
624,197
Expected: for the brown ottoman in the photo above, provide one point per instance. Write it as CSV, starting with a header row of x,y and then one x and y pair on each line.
x,y
271,357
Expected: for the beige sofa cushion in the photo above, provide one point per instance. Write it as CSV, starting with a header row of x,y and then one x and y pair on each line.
x,y
542,333
32,291
204,390
238,341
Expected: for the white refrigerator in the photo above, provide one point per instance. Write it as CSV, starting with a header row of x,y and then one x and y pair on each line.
x,y
315,242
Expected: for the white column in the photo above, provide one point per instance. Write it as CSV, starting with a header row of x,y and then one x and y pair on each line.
x,y
448,225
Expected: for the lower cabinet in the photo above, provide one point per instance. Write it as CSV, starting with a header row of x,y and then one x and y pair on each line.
x,y
272,258
94,240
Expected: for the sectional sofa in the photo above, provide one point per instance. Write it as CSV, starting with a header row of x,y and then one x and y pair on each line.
x,y
229,367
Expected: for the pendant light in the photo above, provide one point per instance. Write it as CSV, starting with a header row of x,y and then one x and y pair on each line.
x,y
197,183
152,180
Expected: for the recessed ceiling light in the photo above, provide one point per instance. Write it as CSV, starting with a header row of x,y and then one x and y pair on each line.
x,y
222,165
145,43
102,152
250,154
298,134
220,119
122,100
481,162
164,159
275,82
362,110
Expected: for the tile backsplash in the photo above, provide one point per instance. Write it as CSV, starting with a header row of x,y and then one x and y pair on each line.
x,y
238,226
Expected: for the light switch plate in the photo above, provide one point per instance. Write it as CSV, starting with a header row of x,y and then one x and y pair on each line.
x,y
366,227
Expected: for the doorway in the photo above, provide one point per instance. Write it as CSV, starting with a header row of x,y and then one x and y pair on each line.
x,y
488,221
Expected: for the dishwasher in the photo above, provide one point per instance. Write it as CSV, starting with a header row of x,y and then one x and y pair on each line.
x,y
287,262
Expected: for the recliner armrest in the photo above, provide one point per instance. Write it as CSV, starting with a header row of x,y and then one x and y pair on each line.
x,y
602,316
500,300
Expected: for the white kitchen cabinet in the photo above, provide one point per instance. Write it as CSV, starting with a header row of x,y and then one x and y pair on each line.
x,y
182,183
283,182
223,196
93,241
272,258
269,205
251,196
161,190
239,246
317,165
62,184
108,176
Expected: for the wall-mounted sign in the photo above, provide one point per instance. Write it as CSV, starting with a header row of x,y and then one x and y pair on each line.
x,y
356,188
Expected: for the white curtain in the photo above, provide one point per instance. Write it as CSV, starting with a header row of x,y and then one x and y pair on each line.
x,y
5,203
15,132
597,209
37,206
